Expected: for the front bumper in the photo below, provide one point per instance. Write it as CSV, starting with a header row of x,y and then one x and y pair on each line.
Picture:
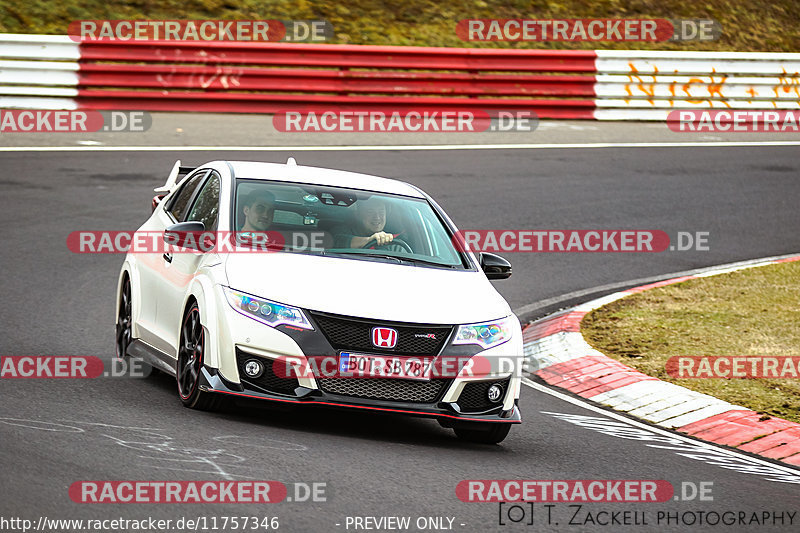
x,y
242,338
212,381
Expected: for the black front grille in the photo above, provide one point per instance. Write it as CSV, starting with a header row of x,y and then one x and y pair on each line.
x,y
345,333
474,399
268,381
397,390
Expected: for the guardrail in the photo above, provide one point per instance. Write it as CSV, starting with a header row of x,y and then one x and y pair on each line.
x,y
44,72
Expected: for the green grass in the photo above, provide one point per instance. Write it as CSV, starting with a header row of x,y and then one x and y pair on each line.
x,y
759,25
747,313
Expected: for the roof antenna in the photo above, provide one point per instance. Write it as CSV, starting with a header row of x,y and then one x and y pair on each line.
x,y
291,161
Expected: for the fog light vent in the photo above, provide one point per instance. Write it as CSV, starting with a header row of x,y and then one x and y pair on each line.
x,y
495,393
253,368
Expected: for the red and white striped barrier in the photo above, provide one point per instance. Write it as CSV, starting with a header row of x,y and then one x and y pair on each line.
x,y
556,351
55,72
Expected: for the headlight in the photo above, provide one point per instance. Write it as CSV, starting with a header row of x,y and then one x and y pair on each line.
x,y
270,313
486,334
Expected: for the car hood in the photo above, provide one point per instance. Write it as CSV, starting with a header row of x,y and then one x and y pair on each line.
x,y
368,289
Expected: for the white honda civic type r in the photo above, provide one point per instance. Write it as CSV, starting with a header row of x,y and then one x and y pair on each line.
x,y
306,285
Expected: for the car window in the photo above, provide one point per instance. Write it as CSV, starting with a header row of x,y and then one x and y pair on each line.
x,y
206,206
180,203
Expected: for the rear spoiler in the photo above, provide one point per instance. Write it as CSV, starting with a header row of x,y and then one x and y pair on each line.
x,y
176,174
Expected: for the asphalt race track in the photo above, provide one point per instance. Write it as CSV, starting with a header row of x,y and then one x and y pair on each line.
x,y
55,432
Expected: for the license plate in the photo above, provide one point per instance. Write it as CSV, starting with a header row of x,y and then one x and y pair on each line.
x,y
384,366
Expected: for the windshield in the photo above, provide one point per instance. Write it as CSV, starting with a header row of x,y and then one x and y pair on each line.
x,y
325,220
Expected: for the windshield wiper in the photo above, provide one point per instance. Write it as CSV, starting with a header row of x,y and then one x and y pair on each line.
x,y
395,257
426,262
307,251
367,254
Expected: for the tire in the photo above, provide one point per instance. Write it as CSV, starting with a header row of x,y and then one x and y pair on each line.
x,y
124,328
190,364
490,433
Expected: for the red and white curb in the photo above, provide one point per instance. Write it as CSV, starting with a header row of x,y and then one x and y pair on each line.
x,y
556,351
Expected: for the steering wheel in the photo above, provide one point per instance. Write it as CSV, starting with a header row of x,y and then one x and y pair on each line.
x,y
397,245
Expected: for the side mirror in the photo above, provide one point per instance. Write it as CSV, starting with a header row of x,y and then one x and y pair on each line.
x,y
185,234
494,266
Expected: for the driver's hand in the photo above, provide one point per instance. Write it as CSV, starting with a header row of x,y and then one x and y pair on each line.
x,y
381,237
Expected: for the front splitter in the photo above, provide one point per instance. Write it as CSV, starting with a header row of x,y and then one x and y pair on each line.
x,y
213,382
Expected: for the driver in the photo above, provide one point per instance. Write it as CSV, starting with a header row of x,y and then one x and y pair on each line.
x,y
368,226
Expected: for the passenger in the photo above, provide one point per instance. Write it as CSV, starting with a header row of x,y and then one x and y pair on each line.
x,y
259,208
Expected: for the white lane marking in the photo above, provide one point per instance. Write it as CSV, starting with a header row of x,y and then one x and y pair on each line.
x,y
163,451
37,424
671,435
262,442
356,148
